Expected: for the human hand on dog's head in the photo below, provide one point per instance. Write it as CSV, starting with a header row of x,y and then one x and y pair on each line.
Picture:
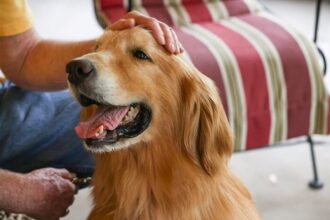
x,y
163,34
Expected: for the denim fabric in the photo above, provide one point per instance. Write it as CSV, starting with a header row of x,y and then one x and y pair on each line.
x,y
37,130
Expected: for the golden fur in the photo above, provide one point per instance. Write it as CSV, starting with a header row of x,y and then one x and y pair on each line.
x,y
178,168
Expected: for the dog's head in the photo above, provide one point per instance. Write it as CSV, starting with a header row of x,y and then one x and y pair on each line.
x,y
135,91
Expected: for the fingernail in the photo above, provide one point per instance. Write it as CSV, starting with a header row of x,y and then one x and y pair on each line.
x,y
178,48
181,48
73,174
162,40
172,47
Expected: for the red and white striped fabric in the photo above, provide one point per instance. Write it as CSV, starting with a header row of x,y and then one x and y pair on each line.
x,y
268,74
177,12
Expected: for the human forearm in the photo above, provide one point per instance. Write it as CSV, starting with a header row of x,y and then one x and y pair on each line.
x,y
9,189
39,64
44,68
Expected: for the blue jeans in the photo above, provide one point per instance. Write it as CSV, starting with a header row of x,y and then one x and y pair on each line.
x,y
37,130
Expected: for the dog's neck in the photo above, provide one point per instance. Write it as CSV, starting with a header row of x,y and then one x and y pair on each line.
x,y
147,182
146,177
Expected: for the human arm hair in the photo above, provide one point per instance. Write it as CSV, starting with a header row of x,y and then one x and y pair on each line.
x,y
42,194
38,64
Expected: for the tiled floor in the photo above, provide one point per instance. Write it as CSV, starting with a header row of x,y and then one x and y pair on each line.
x,y
277,177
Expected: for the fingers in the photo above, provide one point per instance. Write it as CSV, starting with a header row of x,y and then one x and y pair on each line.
x,y
156,31
66,197
123,24
50,193
177,45
170,46
64,209
172,42
163,34
69,187
64,173
149,23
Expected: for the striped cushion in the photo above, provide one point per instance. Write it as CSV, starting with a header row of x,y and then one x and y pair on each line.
x,y
268,75
178,12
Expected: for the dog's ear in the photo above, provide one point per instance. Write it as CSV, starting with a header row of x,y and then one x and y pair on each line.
x,y
206,134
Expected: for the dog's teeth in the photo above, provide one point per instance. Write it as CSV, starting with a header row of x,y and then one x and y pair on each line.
x,y
131,113
104,133
126,118
100,131
133,110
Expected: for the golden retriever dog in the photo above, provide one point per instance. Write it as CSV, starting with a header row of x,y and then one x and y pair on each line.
x,y
159,134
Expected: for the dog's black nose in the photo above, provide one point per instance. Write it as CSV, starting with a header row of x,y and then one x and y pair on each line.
x,y
79,70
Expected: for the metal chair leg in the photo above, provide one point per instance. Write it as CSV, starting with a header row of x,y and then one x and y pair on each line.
x,y
316,30
317,19
323,59
315,183
130,6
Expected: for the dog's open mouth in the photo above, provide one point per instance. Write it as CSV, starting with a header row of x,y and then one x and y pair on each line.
x,y
111,123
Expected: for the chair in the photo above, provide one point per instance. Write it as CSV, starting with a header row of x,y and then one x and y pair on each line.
x,y
268,74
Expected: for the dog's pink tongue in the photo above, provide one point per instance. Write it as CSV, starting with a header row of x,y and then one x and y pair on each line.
x,y
103,119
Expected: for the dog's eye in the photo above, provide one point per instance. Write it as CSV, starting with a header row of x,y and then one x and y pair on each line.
x,y
140,55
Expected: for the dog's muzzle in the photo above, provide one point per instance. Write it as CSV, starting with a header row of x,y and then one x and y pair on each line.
x,y
79,70
109,123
